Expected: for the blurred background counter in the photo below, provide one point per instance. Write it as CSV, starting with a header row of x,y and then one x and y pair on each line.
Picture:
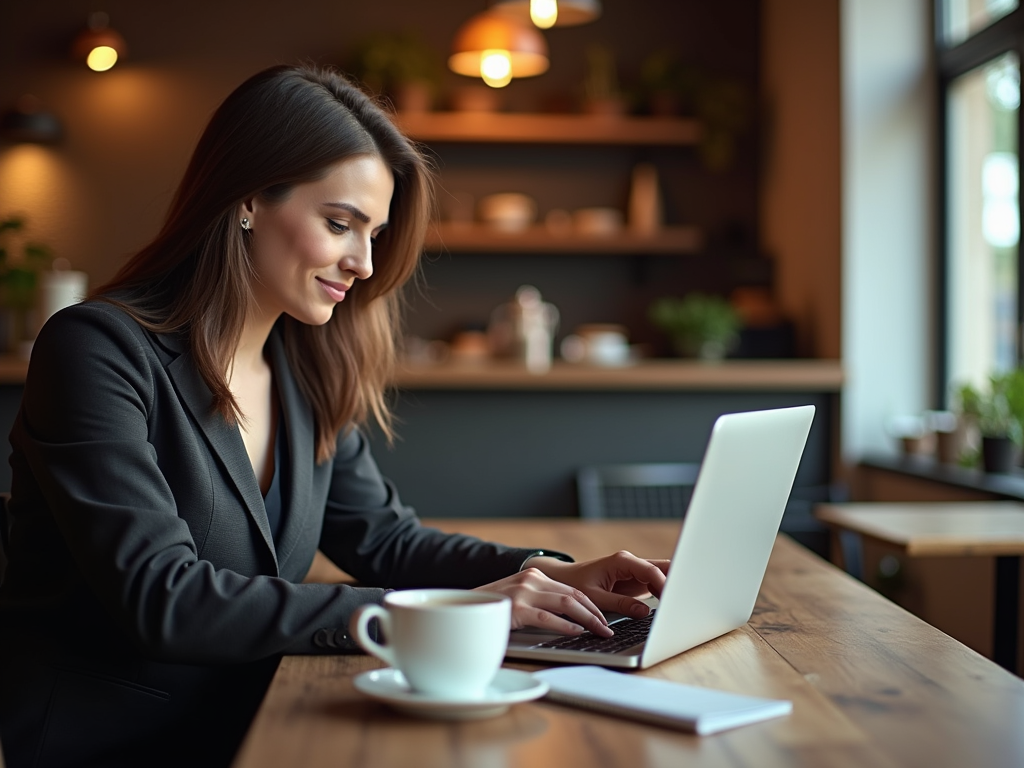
x,y
493,440
660,374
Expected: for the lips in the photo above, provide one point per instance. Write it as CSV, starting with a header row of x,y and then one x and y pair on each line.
x,y
335,290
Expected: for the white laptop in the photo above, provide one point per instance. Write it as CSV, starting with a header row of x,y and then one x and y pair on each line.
x,y
722,552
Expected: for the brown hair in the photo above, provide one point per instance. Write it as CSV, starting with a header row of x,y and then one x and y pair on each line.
x,y
282,127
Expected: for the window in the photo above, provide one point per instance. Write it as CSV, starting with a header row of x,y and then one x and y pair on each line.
x,y
962,18
979,85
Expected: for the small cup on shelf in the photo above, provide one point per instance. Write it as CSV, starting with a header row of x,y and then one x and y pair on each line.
x,y
507,211
950,435
597,221
914,434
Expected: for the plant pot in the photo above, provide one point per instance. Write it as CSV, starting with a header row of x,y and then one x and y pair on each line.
x,y
709,350
998,454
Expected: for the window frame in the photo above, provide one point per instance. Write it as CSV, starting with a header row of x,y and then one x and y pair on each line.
x,y
1002,36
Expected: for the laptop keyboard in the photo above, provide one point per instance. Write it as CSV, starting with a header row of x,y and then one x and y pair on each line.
x,y
628,633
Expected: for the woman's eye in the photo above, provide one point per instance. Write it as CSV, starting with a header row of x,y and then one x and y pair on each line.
x,y
337,226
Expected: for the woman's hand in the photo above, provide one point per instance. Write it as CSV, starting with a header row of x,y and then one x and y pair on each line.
x,y
539,601
614,582
568,597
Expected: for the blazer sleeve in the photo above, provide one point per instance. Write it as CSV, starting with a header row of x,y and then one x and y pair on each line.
x,y
371,535
82,437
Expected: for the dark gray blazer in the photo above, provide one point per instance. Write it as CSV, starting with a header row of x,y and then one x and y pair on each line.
x,y
143,577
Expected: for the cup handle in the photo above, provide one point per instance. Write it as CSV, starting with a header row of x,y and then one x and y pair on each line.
x,y
359,626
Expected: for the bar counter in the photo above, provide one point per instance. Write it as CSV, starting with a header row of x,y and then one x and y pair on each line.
x,y
663,374
655,374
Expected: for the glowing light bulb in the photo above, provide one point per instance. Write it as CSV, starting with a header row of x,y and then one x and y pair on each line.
x,y
496,68
544,13
101,58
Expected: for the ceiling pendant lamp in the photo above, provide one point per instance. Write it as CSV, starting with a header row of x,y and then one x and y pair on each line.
x,y
552,13
498,47
98,45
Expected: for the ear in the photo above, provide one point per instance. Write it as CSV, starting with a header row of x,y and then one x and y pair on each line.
x,y
246,210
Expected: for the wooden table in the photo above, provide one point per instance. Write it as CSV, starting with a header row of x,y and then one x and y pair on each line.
x,y
871,685
949,529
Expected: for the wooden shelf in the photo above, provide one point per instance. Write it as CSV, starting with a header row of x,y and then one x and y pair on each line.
x,y
520,128
474,238
749,375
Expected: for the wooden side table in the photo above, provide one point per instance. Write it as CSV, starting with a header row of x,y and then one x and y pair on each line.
x,y
948,529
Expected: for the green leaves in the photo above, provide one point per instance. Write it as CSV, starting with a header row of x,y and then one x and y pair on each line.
x,y
999,411
700,324
19,276
386,61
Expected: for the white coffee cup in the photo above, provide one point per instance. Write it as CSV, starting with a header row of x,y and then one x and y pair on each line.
x,y
448,643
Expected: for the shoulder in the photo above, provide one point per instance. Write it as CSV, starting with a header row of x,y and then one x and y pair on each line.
x,y
90,318
89,339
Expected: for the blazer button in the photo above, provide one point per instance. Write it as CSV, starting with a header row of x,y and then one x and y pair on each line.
x,y
322,638
340,639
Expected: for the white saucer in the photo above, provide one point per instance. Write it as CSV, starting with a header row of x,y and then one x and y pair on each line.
x,y
510,686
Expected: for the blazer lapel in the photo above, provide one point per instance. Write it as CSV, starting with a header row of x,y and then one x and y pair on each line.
x,y
299,429
224,439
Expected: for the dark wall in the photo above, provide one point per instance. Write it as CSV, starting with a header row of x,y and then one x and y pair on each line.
x,y
516,454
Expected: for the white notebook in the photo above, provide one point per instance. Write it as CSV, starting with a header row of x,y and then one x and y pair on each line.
x,y
661,702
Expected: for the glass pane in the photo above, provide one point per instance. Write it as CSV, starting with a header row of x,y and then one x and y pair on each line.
x,y
962,18
984,221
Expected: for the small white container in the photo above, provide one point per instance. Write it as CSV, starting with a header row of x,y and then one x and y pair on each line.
x,y
597,221
507,211
597,344
60,288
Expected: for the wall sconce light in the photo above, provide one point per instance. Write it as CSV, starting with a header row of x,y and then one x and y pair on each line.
x,y
552,13
498,47
27,122
99,45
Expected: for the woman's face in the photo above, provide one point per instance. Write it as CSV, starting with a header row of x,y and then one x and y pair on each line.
x,y
308,250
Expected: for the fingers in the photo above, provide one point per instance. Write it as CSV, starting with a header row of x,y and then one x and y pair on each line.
x,y
542,602
570,599
629,606
625,567
661,565
627,578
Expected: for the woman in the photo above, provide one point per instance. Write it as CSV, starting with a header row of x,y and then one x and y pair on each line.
x,y
189,438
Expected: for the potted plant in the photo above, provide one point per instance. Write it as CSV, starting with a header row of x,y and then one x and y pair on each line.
x,y
699,325
667,86
21,261
401,65
721,104
601,92
998,414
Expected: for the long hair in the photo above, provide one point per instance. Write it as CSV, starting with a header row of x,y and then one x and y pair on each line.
x,y
282,127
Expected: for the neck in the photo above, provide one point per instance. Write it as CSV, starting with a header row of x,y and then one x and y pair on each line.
x,y
249,352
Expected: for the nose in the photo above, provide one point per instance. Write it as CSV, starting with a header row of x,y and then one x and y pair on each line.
x,y
359,259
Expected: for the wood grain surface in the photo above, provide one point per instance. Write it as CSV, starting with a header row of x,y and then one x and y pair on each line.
x,y
653,374
935,529
871,685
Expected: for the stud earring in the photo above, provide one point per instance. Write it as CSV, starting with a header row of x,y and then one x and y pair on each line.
x,y
245,225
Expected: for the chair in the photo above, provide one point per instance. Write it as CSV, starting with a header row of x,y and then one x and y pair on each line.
x,y
663,491
635,490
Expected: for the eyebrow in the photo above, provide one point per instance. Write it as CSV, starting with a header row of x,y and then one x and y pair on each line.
x,y
351,209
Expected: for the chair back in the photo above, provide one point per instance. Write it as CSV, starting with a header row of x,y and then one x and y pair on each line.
x,y
635,490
